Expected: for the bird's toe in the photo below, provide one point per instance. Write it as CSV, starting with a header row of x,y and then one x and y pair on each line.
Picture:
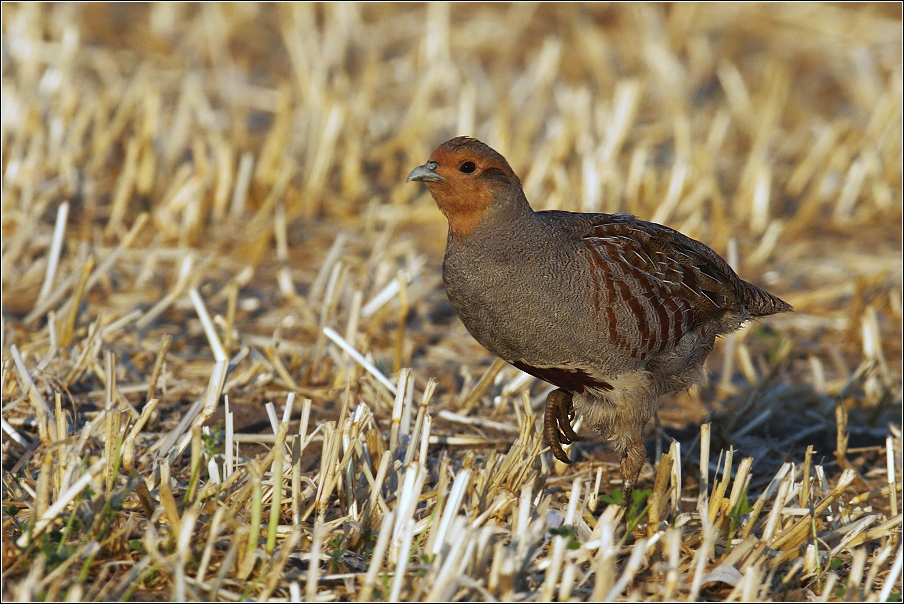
x,y
557,423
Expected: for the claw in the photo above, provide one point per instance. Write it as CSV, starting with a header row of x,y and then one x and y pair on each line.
x,y
557,423
565,424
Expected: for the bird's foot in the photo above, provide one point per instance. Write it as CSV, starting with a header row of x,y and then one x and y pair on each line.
x,y
631,462
557,423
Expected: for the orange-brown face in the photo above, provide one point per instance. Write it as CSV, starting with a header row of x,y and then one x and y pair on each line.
x,y
465,176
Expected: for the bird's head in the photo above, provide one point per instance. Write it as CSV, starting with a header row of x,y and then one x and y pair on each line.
x,y
466,177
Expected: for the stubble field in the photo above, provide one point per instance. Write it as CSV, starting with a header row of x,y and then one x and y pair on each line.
x,y
230,371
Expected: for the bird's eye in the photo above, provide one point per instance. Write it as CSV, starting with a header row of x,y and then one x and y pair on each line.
x,y
467,167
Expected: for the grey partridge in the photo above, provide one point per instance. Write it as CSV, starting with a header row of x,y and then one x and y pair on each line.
x,y
613,310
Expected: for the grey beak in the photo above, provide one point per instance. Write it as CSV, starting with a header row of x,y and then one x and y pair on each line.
x,y
425,173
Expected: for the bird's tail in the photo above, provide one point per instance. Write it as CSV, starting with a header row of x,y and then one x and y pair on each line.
x,y
761,303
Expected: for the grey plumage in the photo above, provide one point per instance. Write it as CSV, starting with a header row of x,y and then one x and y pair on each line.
x,y
614,310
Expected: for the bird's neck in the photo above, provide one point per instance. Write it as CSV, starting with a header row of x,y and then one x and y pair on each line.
x,y
503,216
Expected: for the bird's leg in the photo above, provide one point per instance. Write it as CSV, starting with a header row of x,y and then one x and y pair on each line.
x,y
632,459
557,423
657,425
